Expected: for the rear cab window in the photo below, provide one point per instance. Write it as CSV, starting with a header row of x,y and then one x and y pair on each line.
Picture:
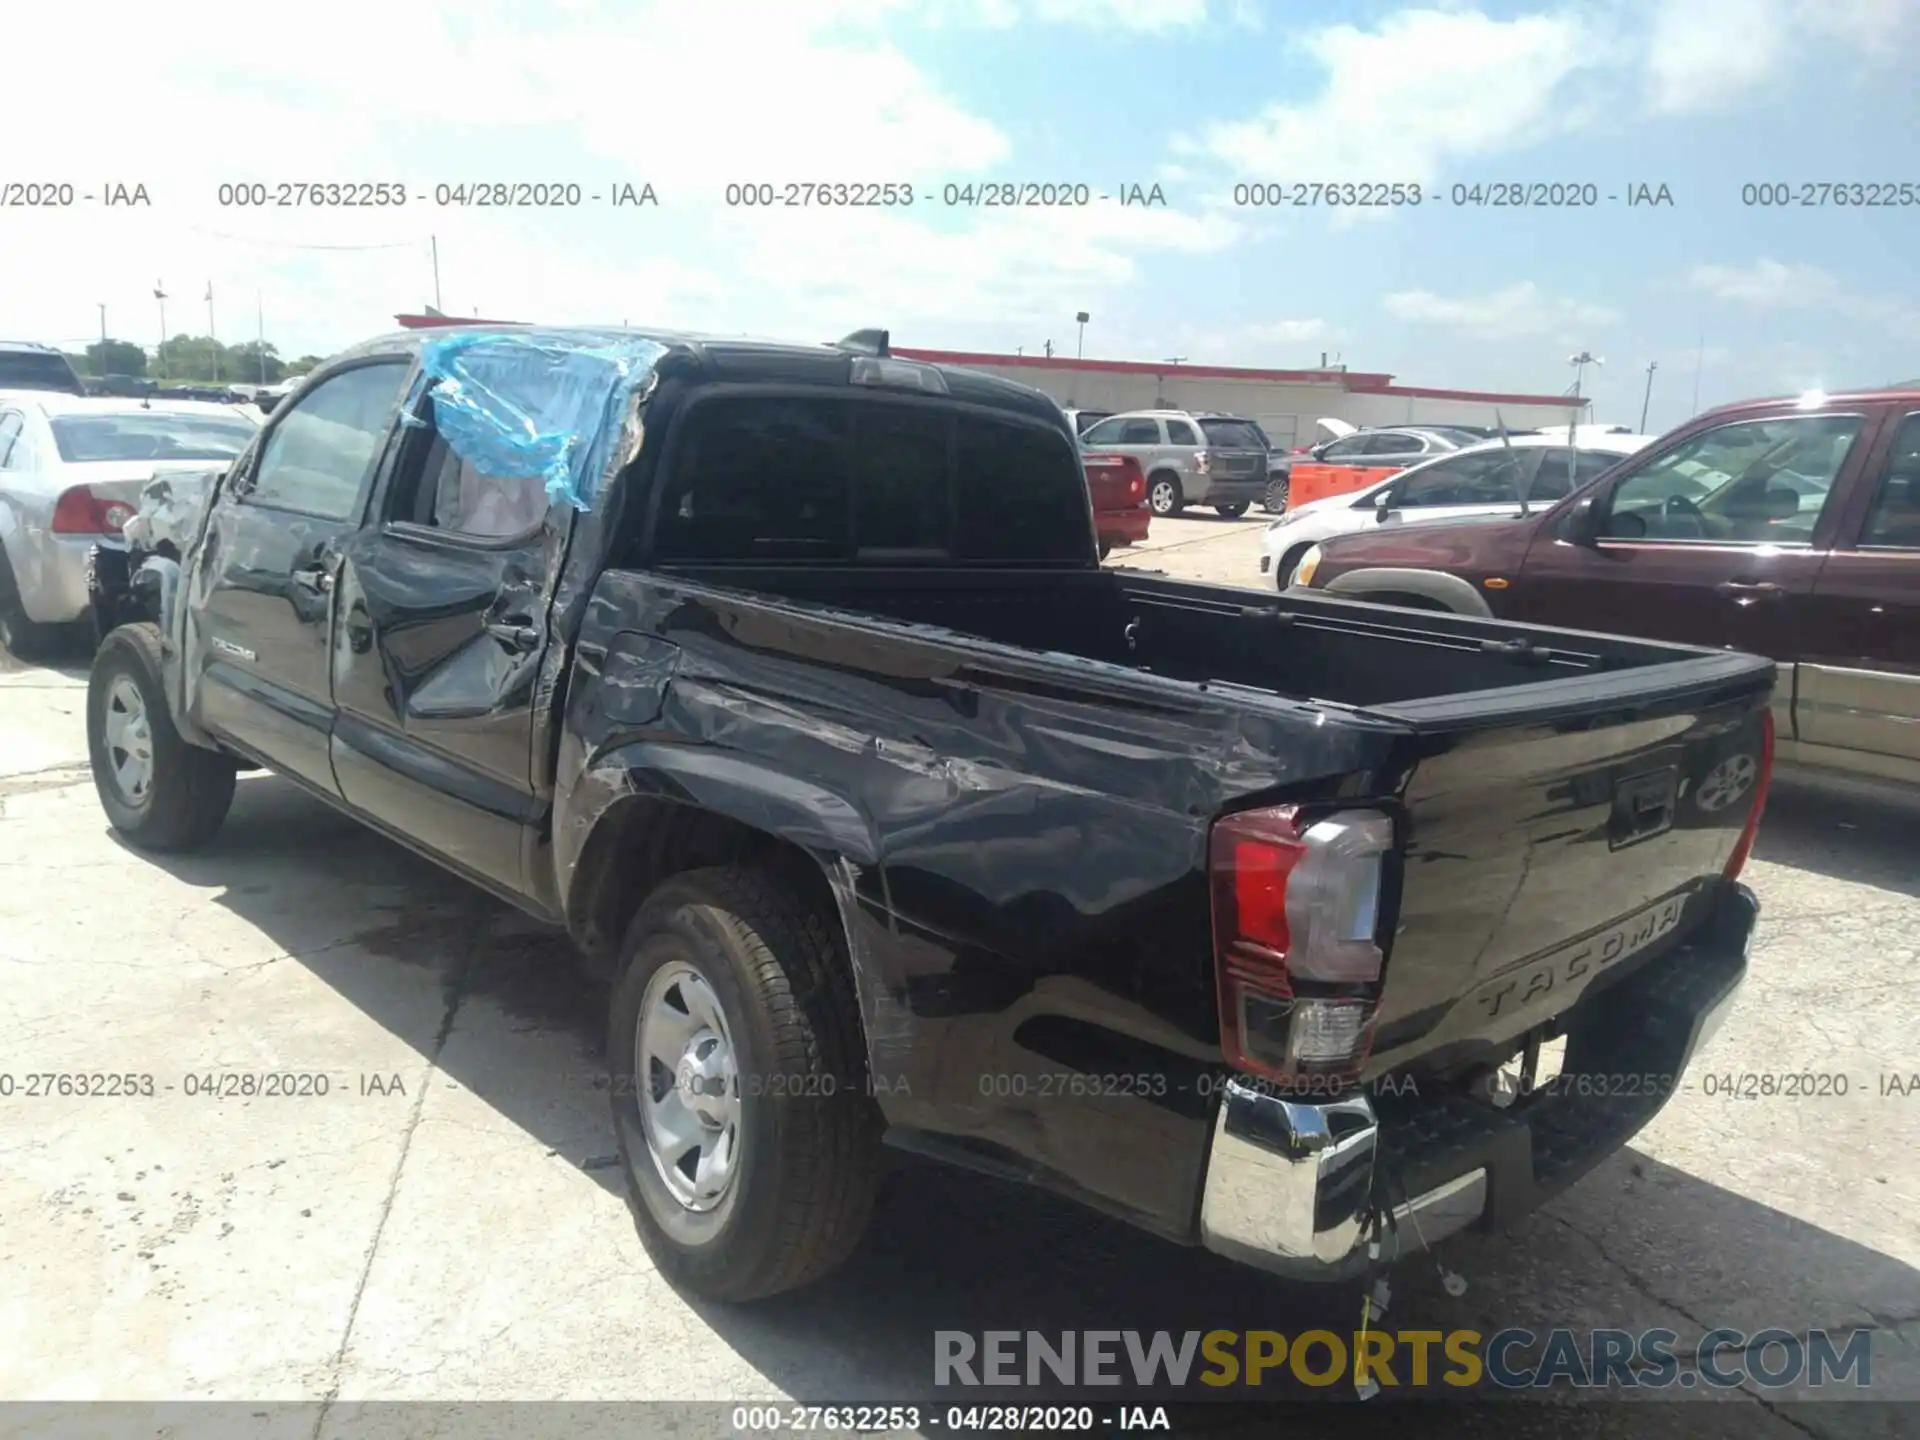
x,y
834,480
38,370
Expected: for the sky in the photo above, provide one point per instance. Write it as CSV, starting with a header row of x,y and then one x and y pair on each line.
x,y
1703,97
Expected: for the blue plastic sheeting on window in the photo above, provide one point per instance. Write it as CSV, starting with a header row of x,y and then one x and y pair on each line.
x,y
534,402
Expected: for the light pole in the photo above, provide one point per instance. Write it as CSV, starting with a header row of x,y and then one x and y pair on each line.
x,y
103,320
1080,318
160,355
1579,363
1652,365
212,337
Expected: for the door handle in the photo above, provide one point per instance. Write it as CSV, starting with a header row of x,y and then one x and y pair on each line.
x,y
314,578
515,637
1746,592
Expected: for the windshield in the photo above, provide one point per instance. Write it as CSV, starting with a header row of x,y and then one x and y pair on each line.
x,y
1232,434
150,435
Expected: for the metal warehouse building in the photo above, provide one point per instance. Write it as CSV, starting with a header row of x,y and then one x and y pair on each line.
x,y
1285,402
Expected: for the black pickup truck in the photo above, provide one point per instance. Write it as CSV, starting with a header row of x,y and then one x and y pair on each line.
x,y
788,680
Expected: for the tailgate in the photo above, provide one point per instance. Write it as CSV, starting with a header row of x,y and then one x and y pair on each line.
x,y
1560,834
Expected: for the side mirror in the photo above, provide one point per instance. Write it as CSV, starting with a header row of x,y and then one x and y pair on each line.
x,y
1582,525
1383,505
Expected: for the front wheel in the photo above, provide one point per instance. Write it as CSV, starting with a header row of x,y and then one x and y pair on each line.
x,y
1290,562
739,1086
158,791
1164,496
1233,512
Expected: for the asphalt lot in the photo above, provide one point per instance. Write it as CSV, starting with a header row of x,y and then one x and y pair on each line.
x,y
446,1223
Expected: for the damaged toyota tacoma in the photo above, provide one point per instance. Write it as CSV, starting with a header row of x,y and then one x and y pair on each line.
x,y
788,680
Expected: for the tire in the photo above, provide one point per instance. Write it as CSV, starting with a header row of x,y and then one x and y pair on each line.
x,y
187,789
1233,512
21,637
1164,495
1274,502
805,1159
1289,562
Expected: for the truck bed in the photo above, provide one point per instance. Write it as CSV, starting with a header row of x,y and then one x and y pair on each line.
x,y
1515,753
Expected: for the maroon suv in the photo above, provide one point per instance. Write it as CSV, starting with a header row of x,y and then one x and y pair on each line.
x,y
1786,527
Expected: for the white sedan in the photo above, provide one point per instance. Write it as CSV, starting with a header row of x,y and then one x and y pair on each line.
x,y
71,471
1482,480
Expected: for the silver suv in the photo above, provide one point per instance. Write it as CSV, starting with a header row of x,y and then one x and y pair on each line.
x,y
1189,459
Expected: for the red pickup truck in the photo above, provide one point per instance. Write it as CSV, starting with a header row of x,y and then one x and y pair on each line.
x,y
1787,527
1119,489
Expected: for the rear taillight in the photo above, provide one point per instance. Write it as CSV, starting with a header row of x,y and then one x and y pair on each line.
x,y
1137,487
1743,848
79,511
1201,461
1297,956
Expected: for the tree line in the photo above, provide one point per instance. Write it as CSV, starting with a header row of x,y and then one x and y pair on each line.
x,y
191,358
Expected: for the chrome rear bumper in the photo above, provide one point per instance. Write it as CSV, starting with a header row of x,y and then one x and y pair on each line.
x,y
1290,1183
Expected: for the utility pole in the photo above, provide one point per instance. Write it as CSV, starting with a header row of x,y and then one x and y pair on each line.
x,y
1652,365
434,240
1080,318
212,337
160,355
103,320
1049,349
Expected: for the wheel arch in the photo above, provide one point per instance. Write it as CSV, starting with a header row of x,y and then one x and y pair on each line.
x,y
1448,592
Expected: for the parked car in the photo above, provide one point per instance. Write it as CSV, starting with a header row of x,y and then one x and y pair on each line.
x,y
70,469
1118,488
787,679
1084,420
1353,462
27,366
1188,459
1787,527
1280,463
1486,478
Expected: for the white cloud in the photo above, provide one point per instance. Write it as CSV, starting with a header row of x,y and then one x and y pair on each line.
x,y
1517,311
1149,16
1422,91
685,96
1280,344
1707,54
1769,284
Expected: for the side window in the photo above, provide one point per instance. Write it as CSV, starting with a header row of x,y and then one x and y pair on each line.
x,y
1139,432
1760,482
444,492
320,455
1107,432
9,434
1347,449
1390,444
1894,521
1488,477
1181,433
1559,471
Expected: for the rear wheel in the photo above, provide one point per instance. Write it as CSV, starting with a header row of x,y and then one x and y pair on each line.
x,y
23,638
1233,512
158,791
1164,495
739,1085
1274,502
